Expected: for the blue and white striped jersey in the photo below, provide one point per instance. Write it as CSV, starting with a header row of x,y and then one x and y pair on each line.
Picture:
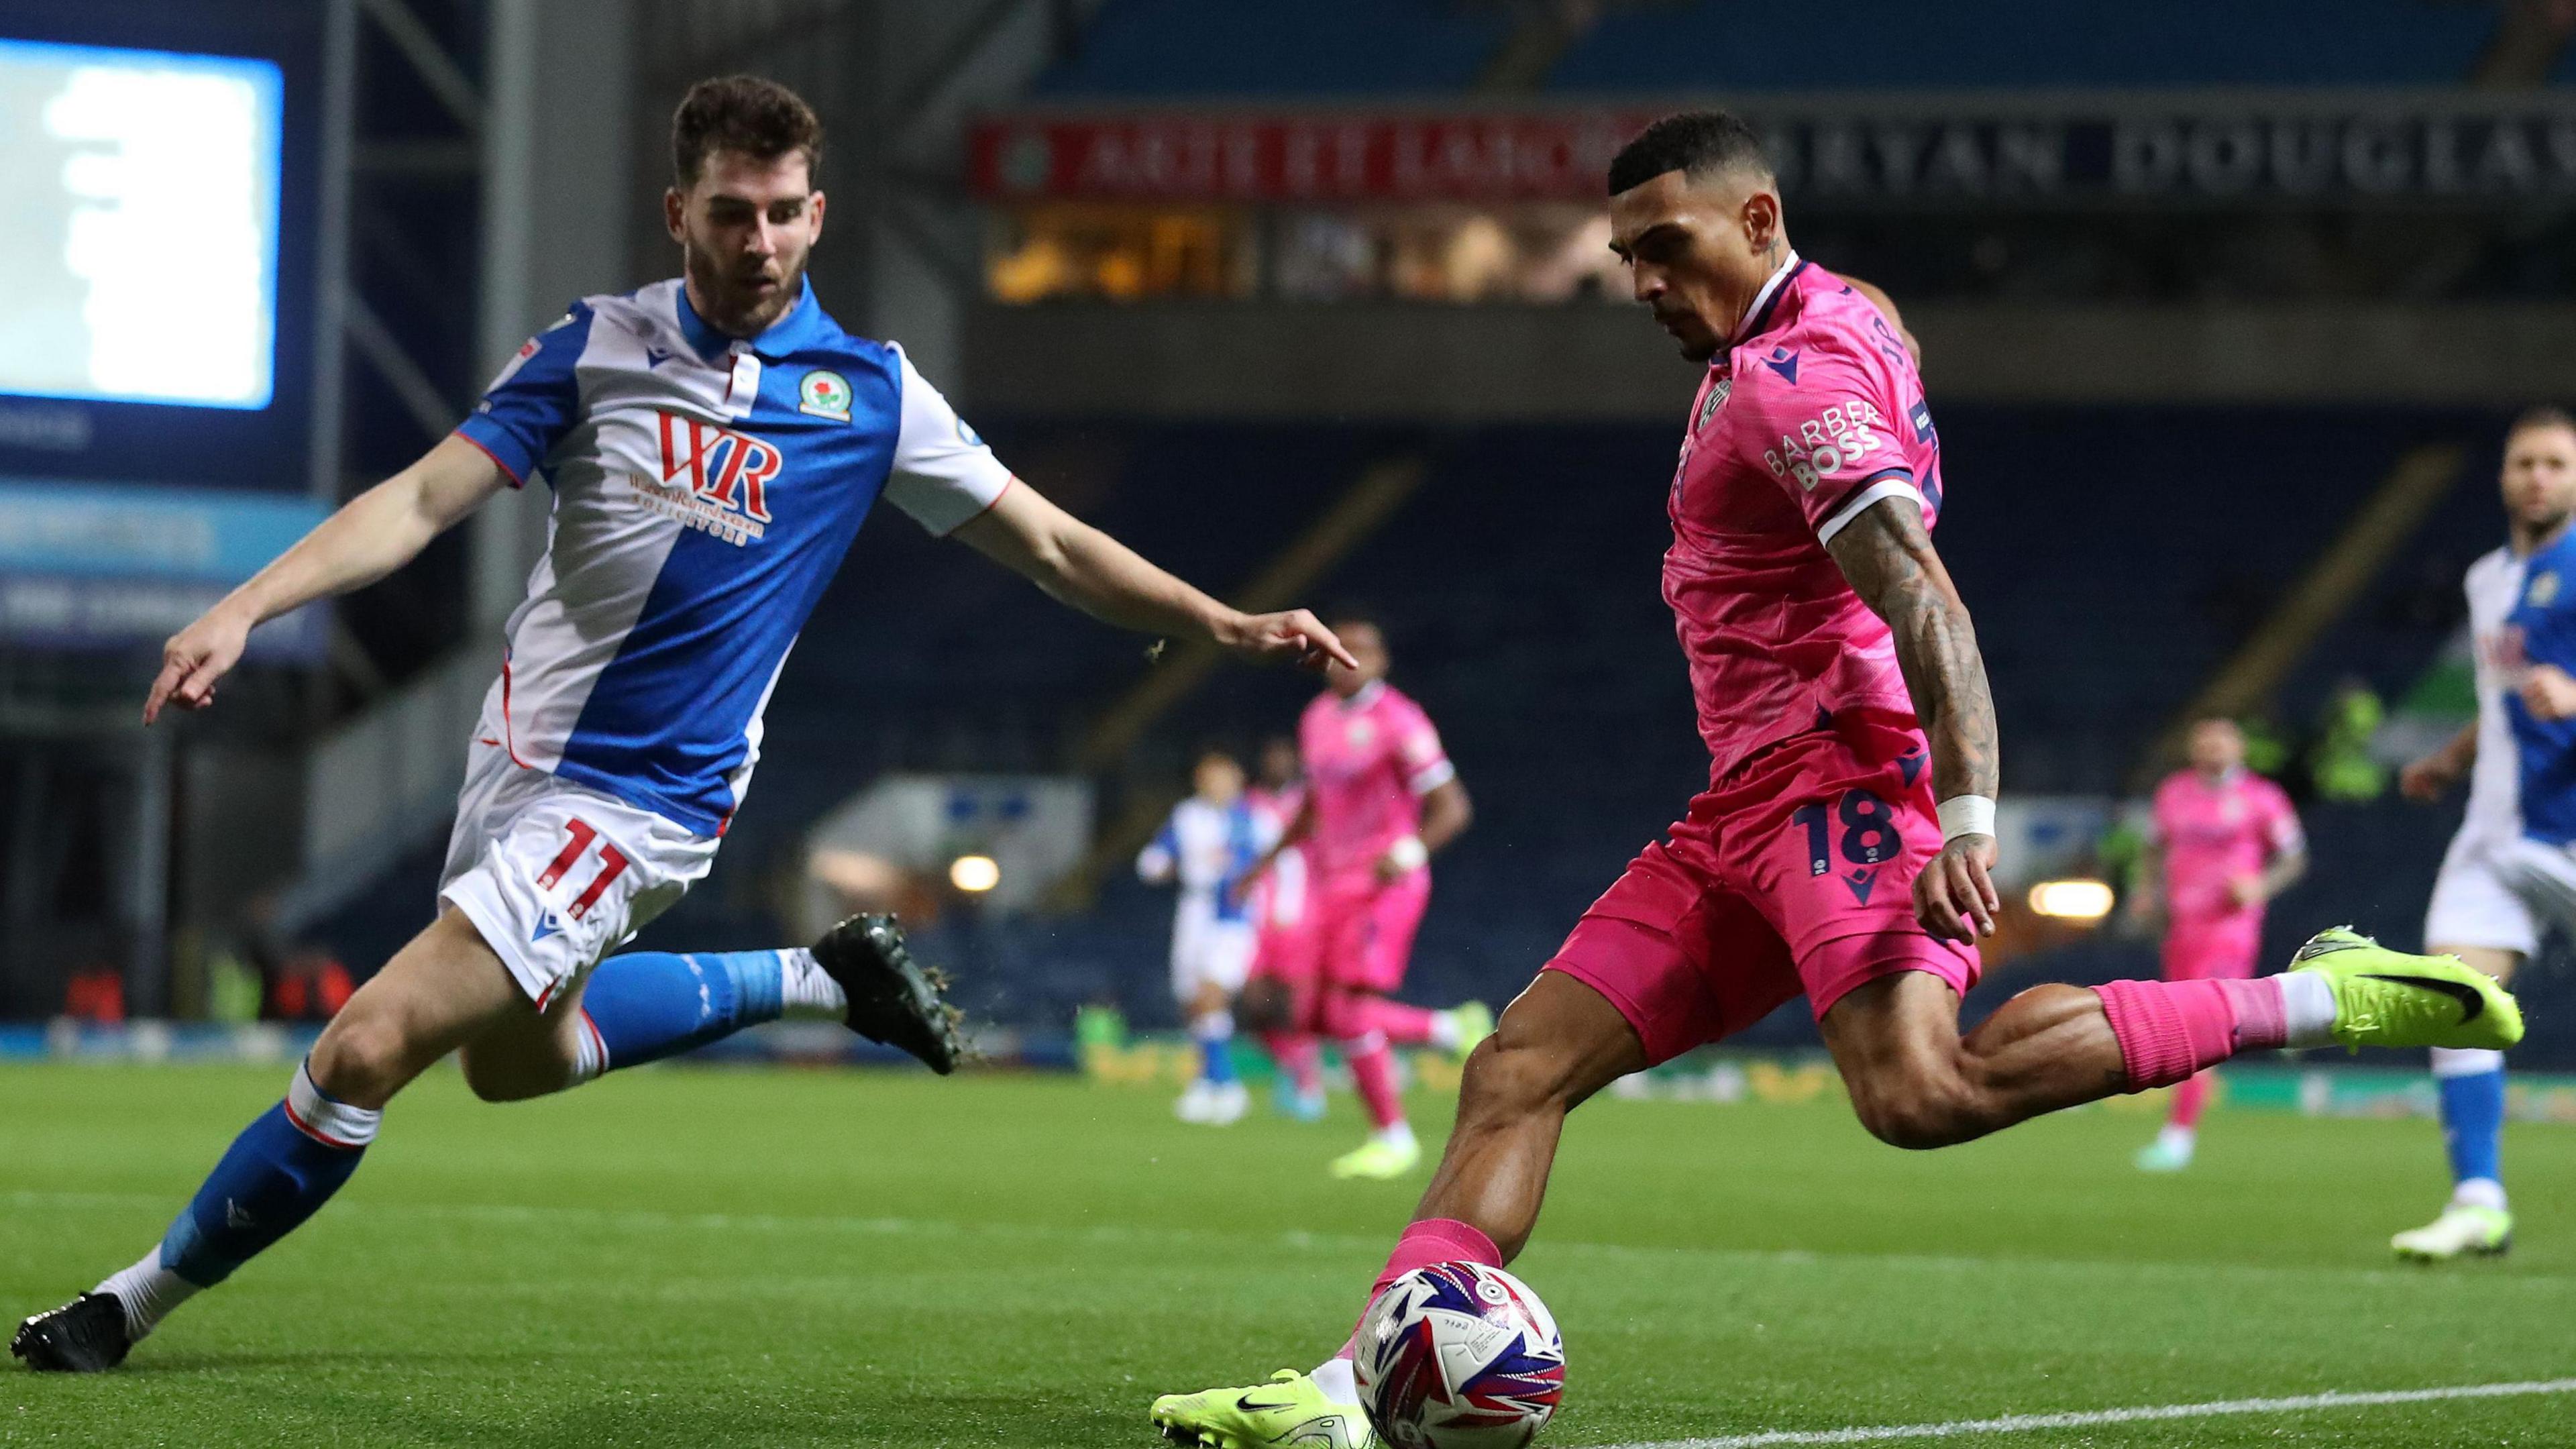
x,y
2540,628
705,489
1205,847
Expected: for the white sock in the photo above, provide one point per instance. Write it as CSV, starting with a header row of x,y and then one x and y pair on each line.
x,y
2466,1061
1444,1030
589,1053
805,989
1399,1135
2177,1138
2307,1008
2483,1192
148,1292
1338,1381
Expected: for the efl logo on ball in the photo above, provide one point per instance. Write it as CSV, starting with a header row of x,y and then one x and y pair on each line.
x,y
1459,1356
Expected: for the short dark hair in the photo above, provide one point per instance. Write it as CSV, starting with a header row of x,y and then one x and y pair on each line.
x,y
2543,416
746,113
1698,142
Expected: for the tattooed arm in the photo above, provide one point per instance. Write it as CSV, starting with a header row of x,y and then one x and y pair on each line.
x,y
1888,557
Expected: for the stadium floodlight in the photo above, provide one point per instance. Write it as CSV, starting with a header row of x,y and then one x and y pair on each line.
x,y
2072,900
974,874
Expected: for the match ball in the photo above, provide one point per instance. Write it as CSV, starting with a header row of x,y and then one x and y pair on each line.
x,y
1459,1356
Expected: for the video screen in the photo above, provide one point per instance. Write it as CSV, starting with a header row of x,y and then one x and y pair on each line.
x,y
140,195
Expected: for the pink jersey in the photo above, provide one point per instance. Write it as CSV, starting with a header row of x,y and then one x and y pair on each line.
x,y
1279,899
2212,834
1369,761
1813,414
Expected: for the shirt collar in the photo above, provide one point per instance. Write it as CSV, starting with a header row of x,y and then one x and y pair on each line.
x,y
793,329
1367,696
1758,315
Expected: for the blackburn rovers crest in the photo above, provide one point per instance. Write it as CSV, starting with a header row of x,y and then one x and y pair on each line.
x,y
825,394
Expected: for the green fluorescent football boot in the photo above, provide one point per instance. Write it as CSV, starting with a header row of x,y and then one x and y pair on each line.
x,y
1289,1412
1378,1160
2390,999
2464,1230
1475,1023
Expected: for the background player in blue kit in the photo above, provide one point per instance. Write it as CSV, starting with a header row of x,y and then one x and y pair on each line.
x,y
1211,839
2510,868
713,443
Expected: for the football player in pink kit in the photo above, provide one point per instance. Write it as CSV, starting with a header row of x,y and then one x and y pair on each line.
x,y
1381,797
1843,845
1283,956
2224,842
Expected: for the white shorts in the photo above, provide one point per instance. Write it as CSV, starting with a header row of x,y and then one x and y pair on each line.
x,y
2497,889
556,876
1208,950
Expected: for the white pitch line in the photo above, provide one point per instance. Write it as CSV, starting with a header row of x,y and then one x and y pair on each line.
x,y
2086,1419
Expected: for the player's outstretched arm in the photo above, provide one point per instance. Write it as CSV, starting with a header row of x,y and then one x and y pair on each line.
x,y
1887,555
2426,780
370,536
1079,565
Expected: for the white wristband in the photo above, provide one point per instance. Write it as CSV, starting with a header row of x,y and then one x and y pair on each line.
x,y
1967,815
1408,853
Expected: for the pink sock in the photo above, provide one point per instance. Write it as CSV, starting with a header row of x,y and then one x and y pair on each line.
x,y
2188,1098
1433,1240
1299,1059
1401,1024
2170,1030
1373,1074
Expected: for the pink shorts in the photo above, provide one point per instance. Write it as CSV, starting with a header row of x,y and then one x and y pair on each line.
x,y
2200,950
1794,872
1364,929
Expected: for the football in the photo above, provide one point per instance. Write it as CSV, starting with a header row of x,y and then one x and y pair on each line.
x,y
1459,1356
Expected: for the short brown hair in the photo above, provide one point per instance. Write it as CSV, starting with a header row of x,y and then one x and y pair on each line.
x,y
2543,416
759,118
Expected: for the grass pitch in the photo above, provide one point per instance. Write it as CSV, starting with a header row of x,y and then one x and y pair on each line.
x,y
690,1257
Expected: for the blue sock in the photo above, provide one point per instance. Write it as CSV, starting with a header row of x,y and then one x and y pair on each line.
x,y
1215,1033
278,1171
648,1005
2472,1086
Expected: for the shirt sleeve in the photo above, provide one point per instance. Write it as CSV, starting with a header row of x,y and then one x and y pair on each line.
x,y
2287,836
1418,751
1161,855
534,400
1817,427
943,473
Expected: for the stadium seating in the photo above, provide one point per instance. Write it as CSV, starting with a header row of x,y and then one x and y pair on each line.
x,y
1249,48
1244,48
2002,44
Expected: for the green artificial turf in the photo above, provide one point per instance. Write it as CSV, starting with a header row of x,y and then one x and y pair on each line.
x,y
701,1257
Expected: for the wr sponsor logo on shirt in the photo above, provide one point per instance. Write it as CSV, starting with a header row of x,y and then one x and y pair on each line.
x,y
713,479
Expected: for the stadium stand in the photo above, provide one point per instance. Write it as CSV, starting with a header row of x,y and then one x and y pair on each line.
x,y
1240,48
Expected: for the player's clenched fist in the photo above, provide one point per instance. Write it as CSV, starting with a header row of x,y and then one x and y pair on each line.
x,y
194,659
1955,895
1294,635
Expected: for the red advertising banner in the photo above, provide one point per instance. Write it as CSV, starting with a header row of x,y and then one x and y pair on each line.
x,y
1298,158
1898,152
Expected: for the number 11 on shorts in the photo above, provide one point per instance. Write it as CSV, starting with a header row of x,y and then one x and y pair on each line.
x,y
579,834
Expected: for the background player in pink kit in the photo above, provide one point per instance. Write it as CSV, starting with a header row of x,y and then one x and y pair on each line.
x,y
2223,843
1843,845
1381,797
1283,956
